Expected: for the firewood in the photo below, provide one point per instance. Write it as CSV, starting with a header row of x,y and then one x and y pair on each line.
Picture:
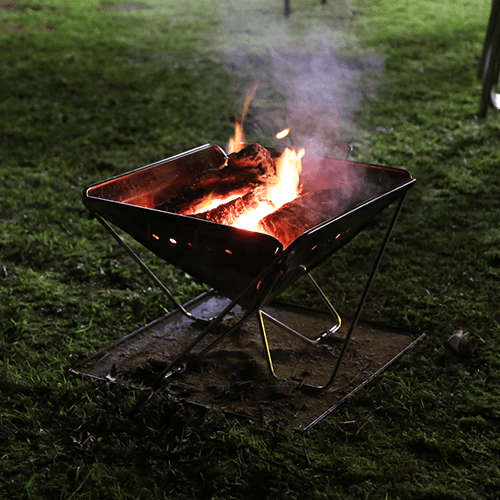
x,y
253,155
227,213
242,172
292,219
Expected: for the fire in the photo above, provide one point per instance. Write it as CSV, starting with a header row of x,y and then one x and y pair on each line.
x,y
281,188
209,203
238,140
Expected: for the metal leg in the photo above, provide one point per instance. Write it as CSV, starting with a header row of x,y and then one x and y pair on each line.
x,y
148,271
490,30
287,8
267,352
212,323
186,351
308,340
260,316
217,320
361,303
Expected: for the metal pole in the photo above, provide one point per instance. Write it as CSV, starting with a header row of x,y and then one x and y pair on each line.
x,y
287,8
361,302
148,271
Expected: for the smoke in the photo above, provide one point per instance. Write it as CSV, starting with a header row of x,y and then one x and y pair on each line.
x,y
306,79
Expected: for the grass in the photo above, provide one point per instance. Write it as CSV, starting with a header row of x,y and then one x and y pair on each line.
x,y
89,91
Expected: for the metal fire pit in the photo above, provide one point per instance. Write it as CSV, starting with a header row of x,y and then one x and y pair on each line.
x,y
250,269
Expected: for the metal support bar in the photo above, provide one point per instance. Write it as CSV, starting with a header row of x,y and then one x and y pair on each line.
x,y
267,352
217,320
148,271
317,340
361,302
329,305
285,327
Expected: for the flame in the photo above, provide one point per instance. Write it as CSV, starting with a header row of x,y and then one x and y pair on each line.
x,y
209,203
282,189
238,140
283,133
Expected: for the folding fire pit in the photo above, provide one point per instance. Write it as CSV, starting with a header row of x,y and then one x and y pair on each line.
x,y
248,269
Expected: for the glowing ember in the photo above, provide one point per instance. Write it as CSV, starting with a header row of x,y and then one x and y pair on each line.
x,y
282,134
209,203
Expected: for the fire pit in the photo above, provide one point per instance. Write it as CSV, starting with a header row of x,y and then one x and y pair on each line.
x,y
339,197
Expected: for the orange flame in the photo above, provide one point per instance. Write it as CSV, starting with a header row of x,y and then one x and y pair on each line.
x,y
282,188
237,142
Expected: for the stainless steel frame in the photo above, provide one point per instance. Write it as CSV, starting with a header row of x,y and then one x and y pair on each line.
x,y
257,266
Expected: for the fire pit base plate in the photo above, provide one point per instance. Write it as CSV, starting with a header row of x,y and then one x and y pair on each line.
x,y
234,378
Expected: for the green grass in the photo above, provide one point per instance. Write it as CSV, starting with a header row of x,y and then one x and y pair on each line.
x,y
89,92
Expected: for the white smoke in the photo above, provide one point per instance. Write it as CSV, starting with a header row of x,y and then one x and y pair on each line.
x,y
306,83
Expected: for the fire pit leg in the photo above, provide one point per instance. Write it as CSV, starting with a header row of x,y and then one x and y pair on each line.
x,y
317,340
361,302
148,271
171,366
267,352
260,314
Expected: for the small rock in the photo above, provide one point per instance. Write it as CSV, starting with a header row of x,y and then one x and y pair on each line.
x,y
462,342
113,373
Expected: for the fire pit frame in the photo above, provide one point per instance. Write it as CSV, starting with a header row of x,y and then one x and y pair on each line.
x,y
270,277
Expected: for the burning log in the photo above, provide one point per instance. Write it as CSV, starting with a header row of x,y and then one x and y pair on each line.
x,y
252,155
295,217
242,173
228,213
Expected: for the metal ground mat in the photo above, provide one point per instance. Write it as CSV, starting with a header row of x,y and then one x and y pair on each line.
x,y
233,377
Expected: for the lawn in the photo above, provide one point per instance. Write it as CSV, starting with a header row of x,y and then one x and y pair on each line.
x,y
92,89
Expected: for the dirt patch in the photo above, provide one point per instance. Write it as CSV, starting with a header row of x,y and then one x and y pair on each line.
x,y
234,376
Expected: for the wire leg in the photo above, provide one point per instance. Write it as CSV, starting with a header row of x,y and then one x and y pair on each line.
x,y
267,352
148,271
361,302
335,314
